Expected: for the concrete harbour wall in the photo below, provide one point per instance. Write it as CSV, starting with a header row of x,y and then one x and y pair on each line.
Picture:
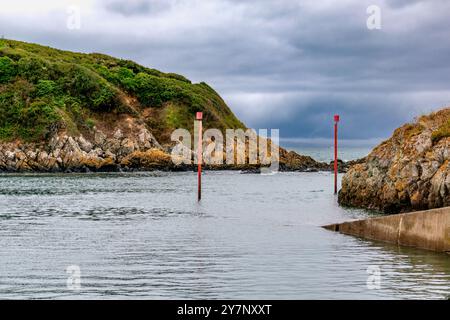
x,y
429,229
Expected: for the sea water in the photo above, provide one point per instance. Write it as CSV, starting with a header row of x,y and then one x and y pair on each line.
x,y
144,235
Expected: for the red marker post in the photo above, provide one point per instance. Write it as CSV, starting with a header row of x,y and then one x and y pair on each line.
x,y
336,120
199,118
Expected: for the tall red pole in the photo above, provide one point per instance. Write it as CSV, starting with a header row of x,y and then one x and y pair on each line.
x,y
336,120
199,118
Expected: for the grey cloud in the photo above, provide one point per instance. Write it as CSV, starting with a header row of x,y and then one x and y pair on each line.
x,y
405,3
284,64
136,7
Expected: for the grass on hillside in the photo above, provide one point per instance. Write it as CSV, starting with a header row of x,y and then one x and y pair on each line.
x,y
441,119
442,132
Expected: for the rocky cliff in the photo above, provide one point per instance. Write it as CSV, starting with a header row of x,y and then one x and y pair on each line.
x,y
409,171
138,149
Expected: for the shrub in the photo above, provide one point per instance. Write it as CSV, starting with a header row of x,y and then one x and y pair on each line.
x,y
38,119
442,132
80,81
148,89
178,77
105,73
8,69
124,73
45,88
136,68
12,100
90,123
10,106
155,91
94,91
33,69
104,99
131,65
11,53
73,105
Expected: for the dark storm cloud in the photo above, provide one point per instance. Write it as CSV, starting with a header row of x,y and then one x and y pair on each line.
x,y
279,64
404,3
136,7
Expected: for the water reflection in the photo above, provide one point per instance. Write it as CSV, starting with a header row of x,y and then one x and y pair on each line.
x,y
423,273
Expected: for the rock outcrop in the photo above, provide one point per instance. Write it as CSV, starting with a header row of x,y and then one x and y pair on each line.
x,y
410,171
64,153
122,149
292,161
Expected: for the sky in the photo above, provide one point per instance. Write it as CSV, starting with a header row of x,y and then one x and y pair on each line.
x,y
286,64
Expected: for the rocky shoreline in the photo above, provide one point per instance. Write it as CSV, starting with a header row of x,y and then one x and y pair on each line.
x,y
408,172
137,150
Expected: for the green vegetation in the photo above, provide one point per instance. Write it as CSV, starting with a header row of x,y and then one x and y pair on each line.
x,y
8,69
43,90
442,132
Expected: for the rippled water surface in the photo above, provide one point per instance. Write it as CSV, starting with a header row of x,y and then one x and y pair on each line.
x,y
143,235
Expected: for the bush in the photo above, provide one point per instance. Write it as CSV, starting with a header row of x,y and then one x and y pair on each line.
x,y
73,105
124,73
22,117
442,132
136,68
105,99
105,73
33,69
90,123
80,81
10,53
12,99
10,106
147,89
45,88
94,91
8,69
155,91
38,120
178,77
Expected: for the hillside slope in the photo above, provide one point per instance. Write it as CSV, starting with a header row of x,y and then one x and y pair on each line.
x,y
67,111
45,90
409,171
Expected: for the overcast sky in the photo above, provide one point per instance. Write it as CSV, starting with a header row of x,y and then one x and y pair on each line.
x,y
287,64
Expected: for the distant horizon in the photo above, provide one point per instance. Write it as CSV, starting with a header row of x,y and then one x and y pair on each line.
x,y
325,143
